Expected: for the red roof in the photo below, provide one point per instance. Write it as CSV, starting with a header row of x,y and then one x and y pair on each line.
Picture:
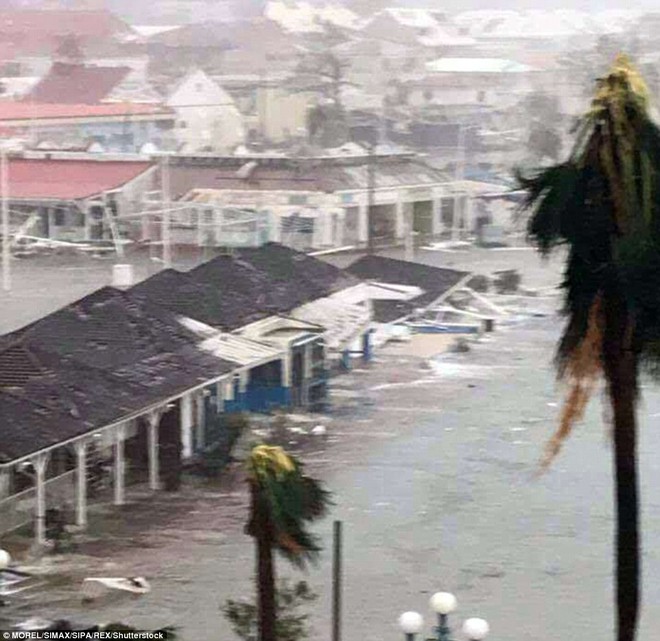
x,y
45,111
45,179
50,23
76,84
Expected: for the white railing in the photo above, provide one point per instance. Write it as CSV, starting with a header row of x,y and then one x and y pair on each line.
x,y
18,509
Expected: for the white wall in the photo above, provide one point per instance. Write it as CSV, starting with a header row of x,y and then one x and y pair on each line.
x,y
206,115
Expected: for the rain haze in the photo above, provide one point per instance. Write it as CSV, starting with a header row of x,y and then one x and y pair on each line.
x,y
330,319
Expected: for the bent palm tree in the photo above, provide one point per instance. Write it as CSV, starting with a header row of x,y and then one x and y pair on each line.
x,y
283,501
603,203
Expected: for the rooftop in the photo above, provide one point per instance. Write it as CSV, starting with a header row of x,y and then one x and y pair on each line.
x,y
76,84
328,175
21,112
476,65
235,290
92,363
434,281
48,179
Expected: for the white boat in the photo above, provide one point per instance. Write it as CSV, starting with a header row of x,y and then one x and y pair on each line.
x,y
97,587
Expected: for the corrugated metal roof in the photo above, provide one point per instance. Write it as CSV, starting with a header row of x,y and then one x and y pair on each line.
x,y
476,65
343,322
37,179
231,347
34,112
239,349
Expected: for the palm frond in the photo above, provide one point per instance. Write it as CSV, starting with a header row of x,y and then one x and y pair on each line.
x,y
290,500
603,202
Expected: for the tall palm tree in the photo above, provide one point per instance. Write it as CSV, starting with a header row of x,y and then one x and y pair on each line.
x,y
283,501
603,203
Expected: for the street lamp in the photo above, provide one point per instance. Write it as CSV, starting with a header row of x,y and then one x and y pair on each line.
x,y
476,629
443,604
411,623
5,559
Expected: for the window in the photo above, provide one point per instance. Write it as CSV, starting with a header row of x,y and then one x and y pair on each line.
x,y
183,124
428,95
199,87
297,199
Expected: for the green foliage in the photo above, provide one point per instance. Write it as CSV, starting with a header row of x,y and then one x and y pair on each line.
x,y
603,202
291,623
224,432
288,500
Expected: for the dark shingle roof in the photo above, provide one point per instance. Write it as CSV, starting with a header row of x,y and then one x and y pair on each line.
x,y
387,311
92,363
26,427
435,281
234,290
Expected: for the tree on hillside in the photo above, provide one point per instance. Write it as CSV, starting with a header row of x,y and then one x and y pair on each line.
x,y
545,120
284,500
603,204
322,71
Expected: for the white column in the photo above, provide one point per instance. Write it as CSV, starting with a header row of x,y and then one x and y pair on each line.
x,y
186,415
286,369
275,221
409,224
229,389
363,223
40,463
120,465
436,225
4,484
200,417
219,218
154,463
307,372
399,218
244,378
81,483
469,220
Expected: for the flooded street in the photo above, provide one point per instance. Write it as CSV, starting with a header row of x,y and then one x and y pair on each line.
x,y
432,466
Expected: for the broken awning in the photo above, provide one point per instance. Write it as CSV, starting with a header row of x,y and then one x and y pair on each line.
x,y
343,322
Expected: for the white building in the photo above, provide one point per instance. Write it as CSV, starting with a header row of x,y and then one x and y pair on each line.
x,y
207,116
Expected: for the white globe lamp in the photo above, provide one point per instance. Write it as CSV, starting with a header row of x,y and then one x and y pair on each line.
x,y
411,623
5,559
476,629
443,603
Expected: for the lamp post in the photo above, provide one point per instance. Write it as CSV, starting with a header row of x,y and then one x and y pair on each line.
x,y
443,604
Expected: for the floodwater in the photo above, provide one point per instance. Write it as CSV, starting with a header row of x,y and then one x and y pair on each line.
x,y
433,465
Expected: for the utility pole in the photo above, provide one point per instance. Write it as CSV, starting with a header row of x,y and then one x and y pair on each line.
x,y
6,247
371,186
167,214
459,175
337,540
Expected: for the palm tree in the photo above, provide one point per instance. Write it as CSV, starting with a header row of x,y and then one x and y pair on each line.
x,y
283,501
603,204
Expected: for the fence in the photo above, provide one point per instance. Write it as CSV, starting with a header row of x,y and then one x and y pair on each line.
x,y
18,510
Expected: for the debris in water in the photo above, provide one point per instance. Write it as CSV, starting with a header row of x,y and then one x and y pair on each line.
x,y
96,587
